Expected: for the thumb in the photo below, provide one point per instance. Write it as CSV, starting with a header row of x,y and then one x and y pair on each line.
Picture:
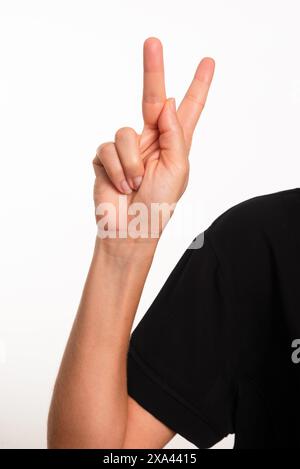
x,y
171,138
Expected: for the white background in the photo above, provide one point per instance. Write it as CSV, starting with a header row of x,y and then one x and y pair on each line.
x,y
70,75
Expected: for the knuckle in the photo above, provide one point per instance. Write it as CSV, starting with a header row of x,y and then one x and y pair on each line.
x,y
152,99
196,100
124,133
132,166
104,148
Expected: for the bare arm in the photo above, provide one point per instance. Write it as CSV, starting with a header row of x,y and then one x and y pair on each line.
x,y
90,406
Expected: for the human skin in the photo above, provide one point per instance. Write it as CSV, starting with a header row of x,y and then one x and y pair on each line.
x,y
90,406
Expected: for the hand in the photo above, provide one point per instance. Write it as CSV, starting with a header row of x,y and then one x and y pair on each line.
x,y
151,167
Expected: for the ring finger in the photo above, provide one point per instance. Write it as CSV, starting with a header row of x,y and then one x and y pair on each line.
x,y
107,156
128,150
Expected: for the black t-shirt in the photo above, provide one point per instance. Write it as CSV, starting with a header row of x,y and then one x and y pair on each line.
x,y
214,353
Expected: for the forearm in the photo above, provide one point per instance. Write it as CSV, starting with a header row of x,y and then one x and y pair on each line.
x,y
89,405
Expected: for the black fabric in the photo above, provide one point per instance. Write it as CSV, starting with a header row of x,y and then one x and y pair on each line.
x,y
213,354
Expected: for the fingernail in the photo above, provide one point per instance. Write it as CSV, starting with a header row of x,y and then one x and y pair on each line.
x,y
130,183
137,181
172,104
125,187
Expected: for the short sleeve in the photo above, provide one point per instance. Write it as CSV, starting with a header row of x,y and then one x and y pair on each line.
x,y
177,363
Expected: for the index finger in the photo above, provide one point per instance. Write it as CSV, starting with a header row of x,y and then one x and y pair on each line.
x,y
193,103
154,92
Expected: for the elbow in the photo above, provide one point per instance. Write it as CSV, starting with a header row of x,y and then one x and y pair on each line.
x,y
60,434
69,435
54,432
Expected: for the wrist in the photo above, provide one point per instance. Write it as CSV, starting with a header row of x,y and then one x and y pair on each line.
x,y
126,250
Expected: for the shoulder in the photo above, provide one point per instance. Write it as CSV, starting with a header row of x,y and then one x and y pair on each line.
x,y
249,229
260,213
246,236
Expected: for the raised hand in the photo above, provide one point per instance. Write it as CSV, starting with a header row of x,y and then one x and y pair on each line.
x,y
151,167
